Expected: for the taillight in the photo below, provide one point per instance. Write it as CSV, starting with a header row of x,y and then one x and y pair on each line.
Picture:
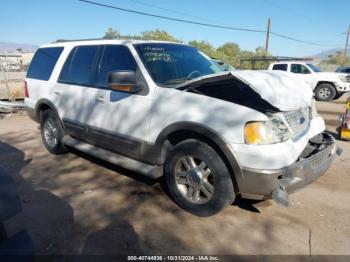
x,y
26,94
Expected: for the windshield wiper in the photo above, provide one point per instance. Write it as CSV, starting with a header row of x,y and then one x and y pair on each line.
x,y
178,80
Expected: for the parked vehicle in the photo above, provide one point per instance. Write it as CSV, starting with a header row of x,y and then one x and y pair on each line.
x,y
164,109
343,69
326,85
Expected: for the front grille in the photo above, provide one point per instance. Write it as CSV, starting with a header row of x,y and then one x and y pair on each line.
x,y
298,121
319,158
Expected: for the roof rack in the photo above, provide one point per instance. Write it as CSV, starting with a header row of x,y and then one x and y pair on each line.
x,y
76,40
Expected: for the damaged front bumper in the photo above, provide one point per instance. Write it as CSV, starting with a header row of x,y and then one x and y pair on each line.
x,y
312,163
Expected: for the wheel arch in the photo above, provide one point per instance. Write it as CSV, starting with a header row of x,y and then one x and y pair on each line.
x,y
181,131
326,82
44,104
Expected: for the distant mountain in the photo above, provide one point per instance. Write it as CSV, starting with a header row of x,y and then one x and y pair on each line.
x,y
7,47
328,52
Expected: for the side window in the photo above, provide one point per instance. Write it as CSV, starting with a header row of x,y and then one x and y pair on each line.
x,y
347,70
299,69
115,57
44,62
282,67
79,65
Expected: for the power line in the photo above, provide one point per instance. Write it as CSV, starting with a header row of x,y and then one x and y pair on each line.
x,y
176,12
206,24
172,18
300,41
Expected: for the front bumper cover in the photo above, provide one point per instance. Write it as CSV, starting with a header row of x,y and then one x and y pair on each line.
x,y
312,163
342,86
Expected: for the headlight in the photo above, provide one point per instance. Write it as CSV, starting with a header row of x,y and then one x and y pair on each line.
x,y
269,132
344,78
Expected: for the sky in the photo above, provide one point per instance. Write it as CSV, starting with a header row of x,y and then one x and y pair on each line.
x,y
322,21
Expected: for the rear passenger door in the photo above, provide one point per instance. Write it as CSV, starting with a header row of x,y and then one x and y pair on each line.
x,y
74,90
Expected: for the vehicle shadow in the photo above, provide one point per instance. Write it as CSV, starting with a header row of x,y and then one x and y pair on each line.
x,y
113,167
119,215
247,204
48,219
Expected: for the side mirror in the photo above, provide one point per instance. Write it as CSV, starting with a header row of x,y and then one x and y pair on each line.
x,y
124,81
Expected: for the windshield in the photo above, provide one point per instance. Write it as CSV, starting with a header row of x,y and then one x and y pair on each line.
x,y
170,64
314,68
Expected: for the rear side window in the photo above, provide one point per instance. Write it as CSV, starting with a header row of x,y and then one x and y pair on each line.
x,y
282,67
115,57
44,62
79,66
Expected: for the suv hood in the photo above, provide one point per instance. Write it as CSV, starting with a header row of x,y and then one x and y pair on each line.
x,y
280,89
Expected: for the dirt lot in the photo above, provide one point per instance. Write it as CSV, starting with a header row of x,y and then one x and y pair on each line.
x,y
76,204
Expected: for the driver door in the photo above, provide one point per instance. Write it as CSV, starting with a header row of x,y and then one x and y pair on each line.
x,y
303,72
119,121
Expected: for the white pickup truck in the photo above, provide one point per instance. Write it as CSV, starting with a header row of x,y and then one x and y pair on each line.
x,y
326,85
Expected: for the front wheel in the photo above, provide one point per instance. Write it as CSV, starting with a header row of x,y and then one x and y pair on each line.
x,y
325,92
198,179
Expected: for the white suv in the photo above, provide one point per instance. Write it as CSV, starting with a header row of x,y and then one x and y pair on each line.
x,y
165,109
326,85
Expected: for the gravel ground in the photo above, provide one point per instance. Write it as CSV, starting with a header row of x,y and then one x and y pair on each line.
x,y
77,204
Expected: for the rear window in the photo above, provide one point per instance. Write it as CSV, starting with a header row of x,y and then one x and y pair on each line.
x,y
282,67
79,67
44,62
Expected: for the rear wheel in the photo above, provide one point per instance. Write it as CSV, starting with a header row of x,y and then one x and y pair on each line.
x,y
198,179
52,132
325,92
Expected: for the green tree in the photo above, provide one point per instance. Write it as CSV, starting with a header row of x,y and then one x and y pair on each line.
x,y
160,35
111,34
229,53
246,54
336,59
205,47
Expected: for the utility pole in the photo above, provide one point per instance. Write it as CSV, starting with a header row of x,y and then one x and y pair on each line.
x,y
346,43
267,35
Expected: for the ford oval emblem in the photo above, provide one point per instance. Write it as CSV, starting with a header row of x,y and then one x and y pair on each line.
x,y
301,120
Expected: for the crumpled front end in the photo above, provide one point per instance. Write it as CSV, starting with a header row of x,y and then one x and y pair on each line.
x,y
312,163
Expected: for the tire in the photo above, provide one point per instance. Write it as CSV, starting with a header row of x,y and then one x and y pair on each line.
x,y
52,132
194,164
338,95
325,92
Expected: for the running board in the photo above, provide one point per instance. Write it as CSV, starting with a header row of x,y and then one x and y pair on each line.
x,y
150,171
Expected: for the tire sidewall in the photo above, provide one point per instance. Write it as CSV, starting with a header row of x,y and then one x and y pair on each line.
x,y
59,148
332,91
222,181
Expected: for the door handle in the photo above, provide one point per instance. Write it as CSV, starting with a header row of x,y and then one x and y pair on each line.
x,y
57,91
100,99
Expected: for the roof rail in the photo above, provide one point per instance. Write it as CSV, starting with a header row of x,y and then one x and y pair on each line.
x,y
76,40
